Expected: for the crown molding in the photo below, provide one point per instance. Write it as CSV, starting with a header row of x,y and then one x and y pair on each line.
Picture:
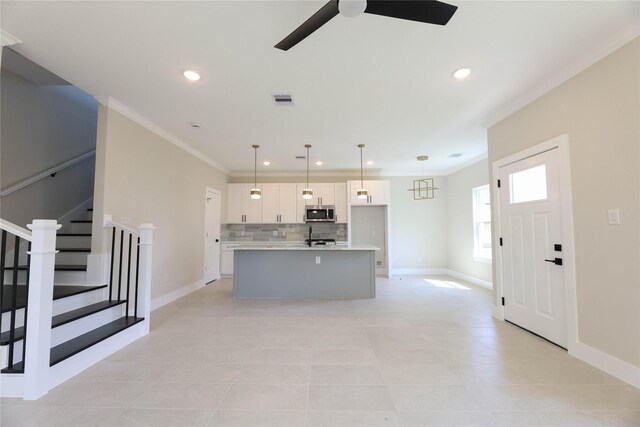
x,y
7,39
116,105
595,54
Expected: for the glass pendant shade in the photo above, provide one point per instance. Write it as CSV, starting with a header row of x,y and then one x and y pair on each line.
x,y
256,193
362,193
307,193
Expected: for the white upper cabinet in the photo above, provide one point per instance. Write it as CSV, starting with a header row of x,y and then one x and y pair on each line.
x,y
241,208
378,192
278,203
323,194
341,203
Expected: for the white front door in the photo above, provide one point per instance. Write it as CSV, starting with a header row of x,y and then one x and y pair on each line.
x,y
212,236
531,226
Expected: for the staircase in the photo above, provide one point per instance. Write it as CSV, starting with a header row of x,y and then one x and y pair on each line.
x,y
97,317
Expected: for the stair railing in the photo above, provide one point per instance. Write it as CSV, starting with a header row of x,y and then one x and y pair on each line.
x,y
38,300
130,268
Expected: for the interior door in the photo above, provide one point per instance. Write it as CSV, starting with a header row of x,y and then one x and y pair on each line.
x,y
212,236
530,211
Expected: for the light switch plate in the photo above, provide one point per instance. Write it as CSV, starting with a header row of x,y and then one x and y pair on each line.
x,y
614,216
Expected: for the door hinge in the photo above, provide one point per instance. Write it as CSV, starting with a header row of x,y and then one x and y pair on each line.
x,y
498,183
501,241
502,300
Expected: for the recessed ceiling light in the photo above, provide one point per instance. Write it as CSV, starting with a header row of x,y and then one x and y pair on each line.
x,y
370,162
195,125
267,163
462,73
191,75
319,163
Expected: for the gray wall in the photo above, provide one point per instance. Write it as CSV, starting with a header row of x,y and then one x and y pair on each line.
x,y
600,110
144,178
460,220
41,127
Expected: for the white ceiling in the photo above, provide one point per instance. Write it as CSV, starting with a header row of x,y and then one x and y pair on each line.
x,y
379,81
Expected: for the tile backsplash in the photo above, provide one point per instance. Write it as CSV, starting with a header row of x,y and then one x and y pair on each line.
x,y
282,232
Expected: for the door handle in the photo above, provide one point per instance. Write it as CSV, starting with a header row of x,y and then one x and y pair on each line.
x,y
556,261
217,240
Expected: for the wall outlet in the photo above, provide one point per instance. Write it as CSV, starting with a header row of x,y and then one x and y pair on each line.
x,y
241,233
614,216
317,260
275,232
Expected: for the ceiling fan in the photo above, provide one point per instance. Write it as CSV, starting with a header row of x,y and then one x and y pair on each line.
x,y
428,11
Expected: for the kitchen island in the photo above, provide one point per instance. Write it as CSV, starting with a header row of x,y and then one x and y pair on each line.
x,y
299,271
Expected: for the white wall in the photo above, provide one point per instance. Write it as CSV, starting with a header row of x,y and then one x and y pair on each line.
x,y
41,127
146,179
600,110
460,220
418,227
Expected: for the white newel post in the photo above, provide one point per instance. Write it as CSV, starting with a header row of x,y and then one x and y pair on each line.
x,y
146,246
39,308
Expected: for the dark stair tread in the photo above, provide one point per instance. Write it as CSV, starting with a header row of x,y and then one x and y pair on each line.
x,y
16,369
90,210
59,291
74,346
74,249
70,316
60,267
74,234
81,221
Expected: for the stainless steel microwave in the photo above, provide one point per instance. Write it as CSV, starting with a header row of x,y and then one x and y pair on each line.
x,y
320,213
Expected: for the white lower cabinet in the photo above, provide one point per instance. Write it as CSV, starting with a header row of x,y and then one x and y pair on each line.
x,y
226,260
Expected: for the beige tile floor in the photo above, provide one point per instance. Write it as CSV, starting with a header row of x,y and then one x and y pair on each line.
x,y
418,355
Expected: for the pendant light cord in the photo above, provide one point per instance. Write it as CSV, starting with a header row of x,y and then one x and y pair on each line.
x,y
307,167
361,180
255,168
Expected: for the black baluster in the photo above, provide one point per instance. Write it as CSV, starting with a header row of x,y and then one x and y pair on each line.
x,y
128,275
135,303
120,264
113,245
14,301
3,252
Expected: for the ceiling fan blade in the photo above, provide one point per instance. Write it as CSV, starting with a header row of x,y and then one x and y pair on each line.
x,y
318,19
428,11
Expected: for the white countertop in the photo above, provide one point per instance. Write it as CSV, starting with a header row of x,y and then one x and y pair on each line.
x,y
302,247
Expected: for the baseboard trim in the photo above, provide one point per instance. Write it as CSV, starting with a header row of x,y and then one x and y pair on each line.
x,y
470,279
177,294
612,365
418,271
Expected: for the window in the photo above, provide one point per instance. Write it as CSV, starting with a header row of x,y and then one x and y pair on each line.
x,y
482,223
528,185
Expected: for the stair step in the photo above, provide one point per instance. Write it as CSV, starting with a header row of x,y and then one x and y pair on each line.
x,y
73,234
82,221
17,369
90,210
69,348
60,267
70,316
74,249
59,292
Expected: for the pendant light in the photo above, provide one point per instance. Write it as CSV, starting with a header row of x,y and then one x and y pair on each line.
x,y
362,193
307,192
256,193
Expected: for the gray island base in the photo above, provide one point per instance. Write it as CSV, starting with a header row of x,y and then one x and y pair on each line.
x,y
303,272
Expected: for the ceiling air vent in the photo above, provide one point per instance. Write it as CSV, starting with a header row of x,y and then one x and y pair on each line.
x,y
301,157
282,99
454,155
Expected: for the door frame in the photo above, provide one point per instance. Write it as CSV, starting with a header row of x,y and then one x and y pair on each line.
x,y
561,143
219,194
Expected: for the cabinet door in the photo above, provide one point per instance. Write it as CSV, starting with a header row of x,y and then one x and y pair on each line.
x,y
378,192
300,204
270,203
252,207
288,206
327,194
234,203
341,203
226,262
